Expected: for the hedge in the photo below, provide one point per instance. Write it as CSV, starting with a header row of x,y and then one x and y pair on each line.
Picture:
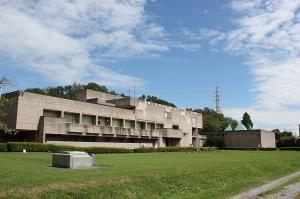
x,y
172,149
253,149
290,148
3,147
40,147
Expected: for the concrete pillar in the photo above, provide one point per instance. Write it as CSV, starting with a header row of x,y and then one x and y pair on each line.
x,y
110,122
96,120
80,118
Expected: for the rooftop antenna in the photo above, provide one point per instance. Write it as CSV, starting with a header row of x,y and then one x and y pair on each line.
x,y
218,108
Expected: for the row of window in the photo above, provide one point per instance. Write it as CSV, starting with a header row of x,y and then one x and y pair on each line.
x,y
102,121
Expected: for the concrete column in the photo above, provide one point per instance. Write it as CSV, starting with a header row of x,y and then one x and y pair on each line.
x,y
80,118
110,122
96,120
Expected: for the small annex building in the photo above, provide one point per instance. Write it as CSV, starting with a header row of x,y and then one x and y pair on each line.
x,y
241,137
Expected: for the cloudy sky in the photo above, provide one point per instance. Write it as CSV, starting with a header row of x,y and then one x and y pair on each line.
x,y
178,50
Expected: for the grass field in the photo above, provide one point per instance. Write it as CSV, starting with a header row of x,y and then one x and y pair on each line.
x,y
145,175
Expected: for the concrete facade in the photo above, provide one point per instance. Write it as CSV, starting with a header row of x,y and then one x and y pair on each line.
x,y
247,138
100,119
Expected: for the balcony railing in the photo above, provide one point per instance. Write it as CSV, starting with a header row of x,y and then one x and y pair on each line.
x,y
58,126
172,133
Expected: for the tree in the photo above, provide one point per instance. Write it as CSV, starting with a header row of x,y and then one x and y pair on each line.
x,y
157,100
246,121
284,138
4,106
214,121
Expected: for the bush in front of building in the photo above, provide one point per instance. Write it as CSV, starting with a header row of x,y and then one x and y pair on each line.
x,y
29,146
215,141
3,147
144,150
176,149
163,149
286,141
289,148
40,147
100,150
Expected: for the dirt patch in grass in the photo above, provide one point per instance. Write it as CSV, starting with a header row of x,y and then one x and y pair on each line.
x,y
59,186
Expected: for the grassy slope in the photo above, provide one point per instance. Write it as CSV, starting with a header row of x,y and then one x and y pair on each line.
x,y
157,175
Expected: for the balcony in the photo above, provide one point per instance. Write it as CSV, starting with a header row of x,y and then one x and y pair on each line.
x,y
51,125
121,131
75,128
172,133
145,133
104,130
134,133
154,133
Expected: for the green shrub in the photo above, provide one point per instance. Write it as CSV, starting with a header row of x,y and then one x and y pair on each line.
x,y
144,150
215,141
163,149
98,150
176,149
286,141
40,147
204,149
29,146
3,147
290,148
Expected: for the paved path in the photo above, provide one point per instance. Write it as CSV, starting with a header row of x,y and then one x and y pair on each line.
x,y
252,193
289,192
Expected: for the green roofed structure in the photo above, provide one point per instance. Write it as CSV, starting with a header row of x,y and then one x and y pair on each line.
x,y
228,128
240,127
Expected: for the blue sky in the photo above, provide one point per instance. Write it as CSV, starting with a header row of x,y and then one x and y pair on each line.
x,y
177,50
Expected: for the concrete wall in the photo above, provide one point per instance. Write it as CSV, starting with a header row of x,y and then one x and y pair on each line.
x,y
268,139
242,139
247,139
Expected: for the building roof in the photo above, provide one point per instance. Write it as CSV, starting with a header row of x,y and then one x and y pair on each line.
x,y
240,127
228,128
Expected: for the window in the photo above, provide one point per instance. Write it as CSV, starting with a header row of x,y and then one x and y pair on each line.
x,y
168,115
140,125
103,121
175,127
159,126
194,121
52,113
117,122
88,119
129,124
71,117
150,126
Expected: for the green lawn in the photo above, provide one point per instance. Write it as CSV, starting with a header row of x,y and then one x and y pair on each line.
x,y
148,175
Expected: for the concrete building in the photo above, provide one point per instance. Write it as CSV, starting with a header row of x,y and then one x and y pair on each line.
x,y
246,138
100,119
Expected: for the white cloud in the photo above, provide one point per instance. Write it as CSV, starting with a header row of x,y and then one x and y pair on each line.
x,y
66,41
268,34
